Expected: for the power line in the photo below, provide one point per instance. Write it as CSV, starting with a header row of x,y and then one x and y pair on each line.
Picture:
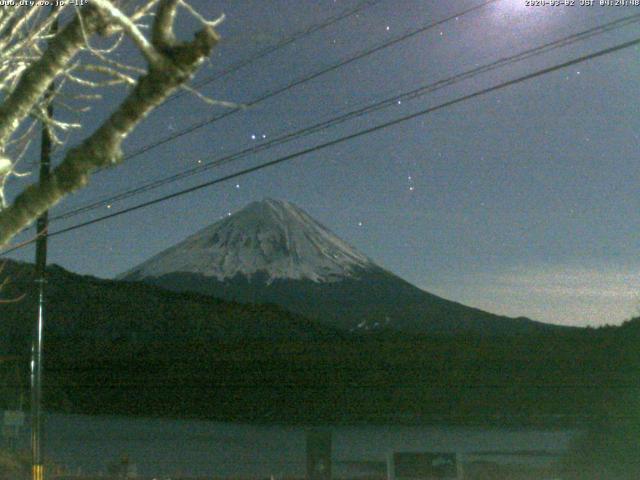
x,y
198,125
281,44
192,171
410,95
273,48
345,138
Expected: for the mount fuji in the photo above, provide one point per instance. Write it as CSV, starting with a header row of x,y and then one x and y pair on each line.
x,y
273,252
271,239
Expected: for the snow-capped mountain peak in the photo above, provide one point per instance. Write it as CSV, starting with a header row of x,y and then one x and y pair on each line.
x,y
271,237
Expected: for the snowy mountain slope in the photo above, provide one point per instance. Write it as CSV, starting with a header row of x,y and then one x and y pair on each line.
x,y
273,238
273,252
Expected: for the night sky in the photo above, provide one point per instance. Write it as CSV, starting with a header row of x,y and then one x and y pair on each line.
x,y
520,202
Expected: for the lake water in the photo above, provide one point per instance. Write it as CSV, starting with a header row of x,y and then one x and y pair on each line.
x,y
164,447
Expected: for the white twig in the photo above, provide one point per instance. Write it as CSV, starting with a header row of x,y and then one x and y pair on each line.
x,y
200,18
130,28
211,101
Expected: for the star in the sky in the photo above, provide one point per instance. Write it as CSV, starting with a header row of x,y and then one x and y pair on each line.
x,y
410,185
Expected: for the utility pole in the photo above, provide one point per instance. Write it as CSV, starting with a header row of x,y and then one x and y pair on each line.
x,y
42,224
38,334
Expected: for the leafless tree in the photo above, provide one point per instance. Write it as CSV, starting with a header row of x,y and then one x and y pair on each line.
x,y
33,57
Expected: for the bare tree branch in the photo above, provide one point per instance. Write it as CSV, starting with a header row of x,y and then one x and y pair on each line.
x,y
39,75
170,65
130,28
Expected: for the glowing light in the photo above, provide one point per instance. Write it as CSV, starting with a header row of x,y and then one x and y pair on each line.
x,y
535,18
513,5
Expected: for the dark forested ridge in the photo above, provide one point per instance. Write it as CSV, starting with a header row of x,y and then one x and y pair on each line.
x,y
372,299
114,347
